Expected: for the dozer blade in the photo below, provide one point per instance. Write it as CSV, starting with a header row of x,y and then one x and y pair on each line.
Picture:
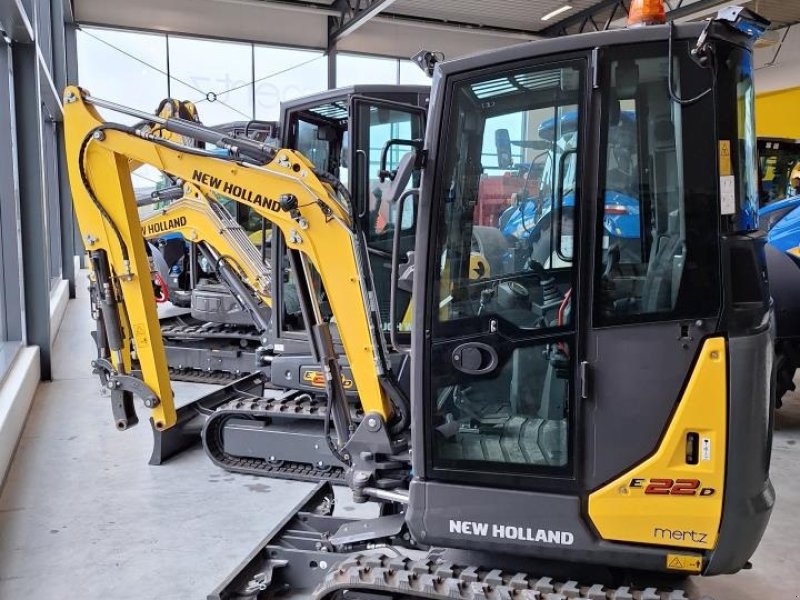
x,y
192,417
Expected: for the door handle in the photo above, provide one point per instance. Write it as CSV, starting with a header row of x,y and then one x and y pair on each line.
x,y
475,358
584,375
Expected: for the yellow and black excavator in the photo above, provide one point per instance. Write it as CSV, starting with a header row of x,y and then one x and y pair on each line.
x,y
231,330
599,401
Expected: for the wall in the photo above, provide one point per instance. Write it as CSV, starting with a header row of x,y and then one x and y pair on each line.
x,y
36,225
774,114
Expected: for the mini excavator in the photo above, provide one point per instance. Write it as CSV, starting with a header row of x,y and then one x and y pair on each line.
x,y
230,330
583,406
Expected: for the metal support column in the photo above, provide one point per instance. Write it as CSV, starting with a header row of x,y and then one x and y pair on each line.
x,y
332,67
33,208
12,298
65,72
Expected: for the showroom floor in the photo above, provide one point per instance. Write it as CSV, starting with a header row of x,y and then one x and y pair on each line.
x,y
83,515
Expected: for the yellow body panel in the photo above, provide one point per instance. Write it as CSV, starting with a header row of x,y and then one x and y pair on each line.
x,y
319,229
664,500
195,219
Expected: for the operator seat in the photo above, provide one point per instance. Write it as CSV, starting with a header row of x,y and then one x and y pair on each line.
x,y
664,268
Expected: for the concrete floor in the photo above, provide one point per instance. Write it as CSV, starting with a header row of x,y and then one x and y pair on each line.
x,y
83,515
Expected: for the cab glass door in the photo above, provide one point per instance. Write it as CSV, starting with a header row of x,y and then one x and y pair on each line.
x,y
502,318
373,125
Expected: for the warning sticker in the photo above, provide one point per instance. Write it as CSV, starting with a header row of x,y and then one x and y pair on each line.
x,y
705,449
140,334
727,195
684,562
725,167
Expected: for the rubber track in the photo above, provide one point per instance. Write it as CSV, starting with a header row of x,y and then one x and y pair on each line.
x,y
178,329
300,406
400,578
198,376
200,330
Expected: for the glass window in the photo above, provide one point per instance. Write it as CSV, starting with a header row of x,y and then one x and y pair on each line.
x,y
384,124
354,69
748,176
411,74
516,417
660,219
284,74
216,76
509,208
315,142
779,170
376,123
505,273
125,67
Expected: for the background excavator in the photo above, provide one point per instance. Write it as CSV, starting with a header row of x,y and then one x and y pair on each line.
x,y
231,330
624,424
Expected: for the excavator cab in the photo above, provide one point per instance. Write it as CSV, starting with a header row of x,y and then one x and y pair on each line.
x,y
588,401
580,402
343,132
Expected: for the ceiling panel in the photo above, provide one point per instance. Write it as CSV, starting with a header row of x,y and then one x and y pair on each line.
x,y
780,12
525,15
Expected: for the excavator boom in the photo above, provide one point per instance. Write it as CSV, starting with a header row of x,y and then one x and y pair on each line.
x,y
280,185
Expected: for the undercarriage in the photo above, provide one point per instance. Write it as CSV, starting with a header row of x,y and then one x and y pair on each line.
x,y
315,554
249,426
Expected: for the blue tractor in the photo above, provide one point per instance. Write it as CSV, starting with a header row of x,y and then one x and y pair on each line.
x,y
779,218
529,221
781,222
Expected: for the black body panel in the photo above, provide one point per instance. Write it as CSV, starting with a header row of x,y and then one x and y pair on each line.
x,y
621,358
749,495
434,504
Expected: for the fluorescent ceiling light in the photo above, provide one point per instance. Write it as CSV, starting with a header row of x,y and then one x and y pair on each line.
x,y
555,12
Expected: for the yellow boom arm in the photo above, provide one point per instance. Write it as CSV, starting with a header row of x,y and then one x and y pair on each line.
x,y
285,191
200,219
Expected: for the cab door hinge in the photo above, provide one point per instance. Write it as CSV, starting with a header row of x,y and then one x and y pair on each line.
x,y
584,375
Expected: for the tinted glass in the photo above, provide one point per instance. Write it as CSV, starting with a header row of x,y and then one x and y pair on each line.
x,y
658,232
312,143
748,165
378,125
509,208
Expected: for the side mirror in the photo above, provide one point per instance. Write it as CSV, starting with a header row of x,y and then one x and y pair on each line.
x,y
344,155
626,79
502,142
326,133
384,173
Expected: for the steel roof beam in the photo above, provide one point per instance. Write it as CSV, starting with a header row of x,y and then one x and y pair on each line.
x,y
352,15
